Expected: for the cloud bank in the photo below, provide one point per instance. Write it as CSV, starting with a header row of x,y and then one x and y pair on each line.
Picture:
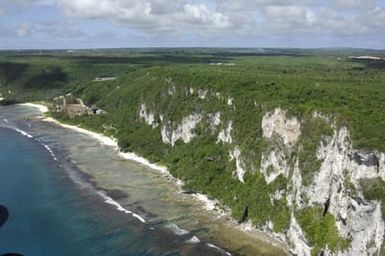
x,y
270,22
236,16
156,15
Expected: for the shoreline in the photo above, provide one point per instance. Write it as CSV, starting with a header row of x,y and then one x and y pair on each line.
x,y
211,206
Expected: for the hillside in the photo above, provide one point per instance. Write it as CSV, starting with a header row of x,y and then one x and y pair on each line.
x,y
290,140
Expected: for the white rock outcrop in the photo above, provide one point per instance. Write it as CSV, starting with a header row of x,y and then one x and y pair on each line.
x,y
277,123
278,195
147,116
184,131
274,164
225,135
294,198
357,219
297,240
166,133
240,169
230,101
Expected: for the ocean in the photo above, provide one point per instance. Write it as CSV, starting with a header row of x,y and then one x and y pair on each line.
x,y
67,194
51,216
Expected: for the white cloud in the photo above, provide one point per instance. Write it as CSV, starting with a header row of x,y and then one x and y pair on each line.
x,y
200,13
290,16
150,14
372,21
215,20
247,5
232,17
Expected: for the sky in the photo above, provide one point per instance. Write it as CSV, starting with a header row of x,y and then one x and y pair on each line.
x,y
79,24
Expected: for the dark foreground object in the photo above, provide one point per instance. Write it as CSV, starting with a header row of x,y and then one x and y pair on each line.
x,y
3,215
3,218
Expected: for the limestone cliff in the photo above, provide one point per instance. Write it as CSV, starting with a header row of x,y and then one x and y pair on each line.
x,y
323,179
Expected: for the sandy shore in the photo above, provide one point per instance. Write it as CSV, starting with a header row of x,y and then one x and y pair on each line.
x,y
43,109
211,206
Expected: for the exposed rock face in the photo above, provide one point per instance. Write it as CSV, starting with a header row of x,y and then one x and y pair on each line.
x,y
240,171
276,123
330,175
357,220
184,131
365,227
274,164
330,187
147,116
294,198
166,133
366,159
225,135
278,195
283,133
297,240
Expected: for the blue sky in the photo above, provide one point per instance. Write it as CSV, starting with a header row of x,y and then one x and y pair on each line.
x,y
71,24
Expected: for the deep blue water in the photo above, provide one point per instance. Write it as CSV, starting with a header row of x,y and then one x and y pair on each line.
x,y
49,215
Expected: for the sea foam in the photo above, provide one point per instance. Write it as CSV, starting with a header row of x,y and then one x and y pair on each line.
x,y
24,133
218,248
50,151
119,207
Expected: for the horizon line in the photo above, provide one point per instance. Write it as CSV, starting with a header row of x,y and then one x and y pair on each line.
x,y
189,47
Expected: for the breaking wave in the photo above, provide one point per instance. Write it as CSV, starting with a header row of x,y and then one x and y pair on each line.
x,y
218,249
119,207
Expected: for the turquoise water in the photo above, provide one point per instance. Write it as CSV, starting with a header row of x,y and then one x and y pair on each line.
x,y
51,216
